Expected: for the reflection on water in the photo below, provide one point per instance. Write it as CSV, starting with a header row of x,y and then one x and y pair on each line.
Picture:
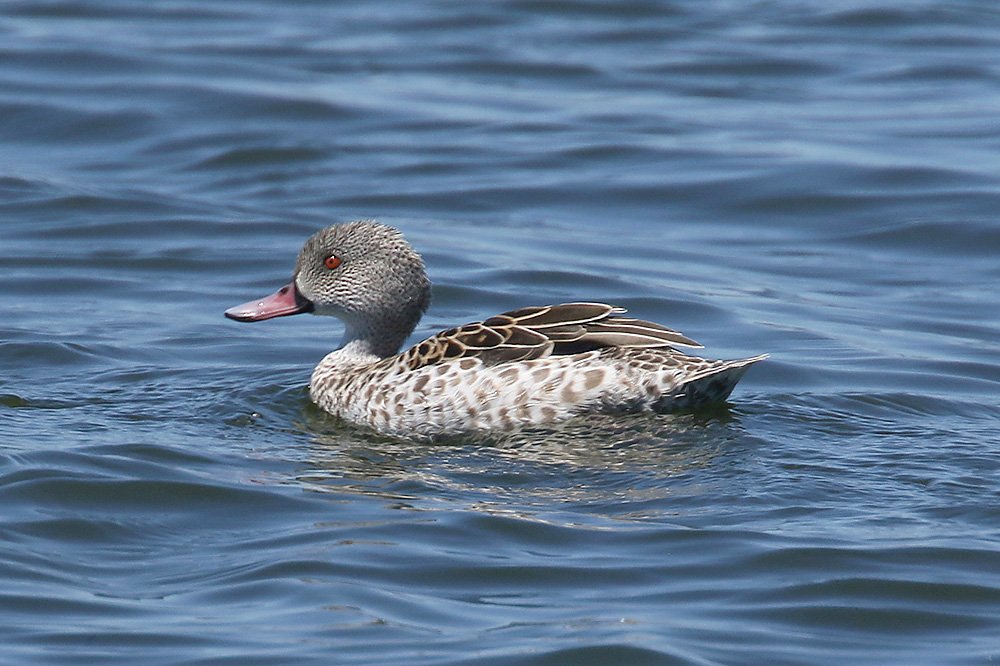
x,y
589,460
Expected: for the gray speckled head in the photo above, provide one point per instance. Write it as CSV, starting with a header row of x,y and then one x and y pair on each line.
x,y
368,276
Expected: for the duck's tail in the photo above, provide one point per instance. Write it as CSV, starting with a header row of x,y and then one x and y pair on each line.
x,y
714,383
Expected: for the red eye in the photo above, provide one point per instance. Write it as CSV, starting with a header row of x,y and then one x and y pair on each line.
x,y
332,261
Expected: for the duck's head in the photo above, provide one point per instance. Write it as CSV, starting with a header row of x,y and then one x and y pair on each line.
x,y
363,273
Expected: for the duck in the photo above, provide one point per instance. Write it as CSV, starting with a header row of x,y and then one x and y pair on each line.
x,y
527,367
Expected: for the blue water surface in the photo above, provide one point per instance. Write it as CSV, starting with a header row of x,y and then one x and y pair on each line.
x,y
818,181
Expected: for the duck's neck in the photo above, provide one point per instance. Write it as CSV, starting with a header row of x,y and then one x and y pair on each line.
x,y
359,351
380,333
367,344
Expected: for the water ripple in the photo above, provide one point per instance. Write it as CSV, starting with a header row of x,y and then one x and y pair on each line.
x,y
814,181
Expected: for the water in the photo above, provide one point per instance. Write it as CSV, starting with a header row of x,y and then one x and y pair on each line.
x,y
817,182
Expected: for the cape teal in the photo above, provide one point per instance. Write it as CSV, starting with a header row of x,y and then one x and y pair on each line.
x,y
528,366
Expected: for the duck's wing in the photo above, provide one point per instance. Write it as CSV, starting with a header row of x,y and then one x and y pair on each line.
x,y
536,332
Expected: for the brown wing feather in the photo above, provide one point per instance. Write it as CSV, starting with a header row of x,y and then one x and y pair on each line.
x,y
537,332
628,332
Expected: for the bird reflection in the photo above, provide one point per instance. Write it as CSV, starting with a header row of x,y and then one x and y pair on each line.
x,y
612,463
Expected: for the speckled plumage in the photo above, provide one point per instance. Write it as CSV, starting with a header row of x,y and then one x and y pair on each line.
x,y
528,366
